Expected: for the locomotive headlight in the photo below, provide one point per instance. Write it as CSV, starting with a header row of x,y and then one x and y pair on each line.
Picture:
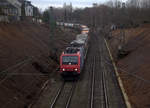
x,y
76,69
63,69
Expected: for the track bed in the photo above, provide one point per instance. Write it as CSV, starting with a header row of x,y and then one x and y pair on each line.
x,y
98,86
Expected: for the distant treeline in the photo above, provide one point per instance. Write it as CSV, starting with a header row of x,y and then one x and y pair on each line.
x,y
129,13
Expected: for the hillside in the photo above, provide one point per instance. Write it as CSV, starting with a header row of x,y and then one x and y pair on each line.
x,y
26,60
134,68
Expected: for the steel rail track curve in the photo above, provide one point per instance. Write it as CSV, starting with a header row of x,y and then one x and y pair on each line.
x,y
105,89
57,95
92,85
104,82
69,97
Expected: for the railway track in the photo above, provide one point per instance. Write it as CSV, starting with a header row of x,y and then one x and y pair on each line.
x,y
106,104
103,83
92,85
98,87
99,96
64,95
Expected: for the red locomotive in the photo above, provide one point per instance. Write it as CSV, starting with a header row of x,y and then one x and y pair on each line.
x,y
72,59
71,62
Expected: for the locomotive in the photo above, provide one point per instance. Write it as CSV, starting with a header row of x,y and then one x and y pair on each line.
x,y
72,59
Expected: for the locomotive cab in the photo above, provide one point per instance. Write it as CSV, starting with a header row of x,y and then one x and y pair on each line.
x,y
71,63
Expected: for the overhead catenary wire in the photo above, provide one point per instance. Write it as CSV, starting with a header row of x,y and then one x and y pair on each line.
x,y
21,63
131,74
5,73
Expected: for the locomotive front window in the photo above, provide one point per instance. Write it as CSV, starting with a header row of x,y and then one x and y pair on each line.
x,y
70,60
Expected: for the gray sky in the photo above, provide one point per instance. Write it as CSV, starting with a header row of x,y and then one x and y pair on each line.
x,y
76,3
42,4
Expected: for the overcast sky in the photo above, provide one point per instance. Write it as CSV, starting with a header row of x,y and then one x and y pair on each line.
x,y
59,3
76,3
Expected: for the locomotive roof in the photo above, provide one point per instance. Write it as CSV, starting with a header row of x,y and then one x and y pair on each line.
x,y
81,36
72,50
78,42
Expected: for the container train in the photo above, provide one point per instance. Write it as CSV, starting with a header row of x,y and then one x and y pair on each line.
x,y
72,59
72,25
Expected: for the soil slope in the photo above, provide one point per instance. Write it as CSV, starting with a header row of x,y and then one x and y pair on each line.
x,y
26,61
135,67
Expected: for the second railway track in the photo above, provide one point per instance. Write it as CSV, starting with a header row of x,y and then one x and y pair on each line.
x,y
99,97
104,92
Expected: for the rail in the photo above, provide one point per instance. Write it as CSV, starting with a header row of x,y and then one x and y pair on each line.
x,y
64,87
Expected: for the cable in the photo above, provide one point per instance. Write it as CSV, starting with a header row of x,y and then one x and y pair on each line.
x,y
136,76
